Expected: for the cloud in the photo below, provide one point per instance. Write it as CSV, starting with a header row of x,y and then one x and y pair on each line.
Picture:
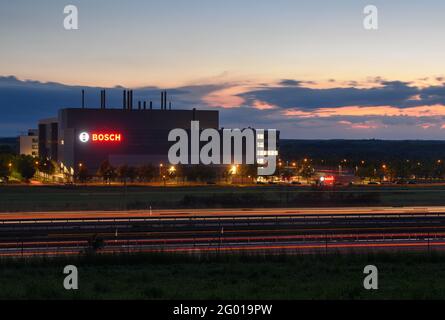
x,y
394,93
290,83
27,101
374,108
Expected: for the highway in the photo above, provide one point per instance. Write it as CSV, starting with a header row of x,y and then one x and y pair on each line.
x,y
293,230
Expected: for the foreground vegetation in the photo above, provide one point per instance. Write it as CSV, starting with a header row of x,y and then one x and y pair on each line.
x,y
401,276
40,198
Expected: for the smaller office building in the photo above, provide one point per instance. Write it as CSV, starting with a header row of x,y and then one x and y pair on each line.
x,y
29,144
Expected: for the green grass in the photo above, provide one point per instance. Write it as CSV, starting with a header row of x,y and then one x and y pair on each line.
x,y
401,276
38,198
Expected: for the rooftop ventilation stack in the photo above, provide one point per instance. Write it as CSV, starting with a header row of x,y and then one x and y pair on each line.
x,y
104,104
162,100
131,100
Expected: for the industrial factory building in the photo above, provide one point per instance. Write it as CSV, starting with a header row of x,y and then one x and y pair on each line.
x,y
128,135
133,136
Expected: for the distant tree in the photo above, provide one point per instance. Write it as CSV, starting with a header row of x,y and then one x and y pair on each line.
x,y
248,170
5,169
6,150
401,169
26,167
200,173
306,171
83,175
132,173
47,167
146,172
126,172
106,171
439,170
122,173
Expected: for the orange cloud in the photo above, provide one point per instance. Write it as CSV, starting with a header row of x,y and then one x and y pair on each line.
x,y
421,111
261,105
361,125
226,98
426,125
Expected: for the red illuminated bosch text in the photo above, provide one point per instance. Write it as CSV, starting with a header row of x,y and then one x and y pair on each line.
x,y
106,137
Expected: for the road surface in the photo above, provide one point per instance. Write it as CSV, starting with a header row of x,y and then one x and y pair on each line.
x,y
293,230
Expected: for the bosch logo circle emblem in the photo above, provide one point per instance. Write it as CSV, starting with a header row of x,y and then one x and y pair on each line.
x,y
84,137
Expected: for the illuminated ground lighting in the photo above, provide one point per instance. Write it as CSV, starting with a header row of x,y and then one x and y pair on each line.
x,y
233,169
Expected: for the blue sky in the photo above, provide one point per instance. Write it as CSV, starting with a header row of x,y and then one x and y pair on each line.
x,y
307,68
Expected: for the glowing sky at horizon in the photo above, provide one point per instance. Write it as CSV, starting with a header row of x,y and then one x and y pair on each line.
x,y
239,47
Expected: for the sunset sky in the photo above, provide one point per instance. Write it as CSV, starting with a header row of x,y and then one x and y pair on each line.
x,y
307,68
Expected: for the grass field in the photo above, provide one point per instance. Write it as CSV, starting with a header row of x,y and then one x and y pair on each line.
x,y
401,276
39,198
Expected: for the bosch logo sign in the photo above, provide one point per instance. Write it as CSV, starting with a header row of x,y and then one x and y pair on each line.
x,y
85,137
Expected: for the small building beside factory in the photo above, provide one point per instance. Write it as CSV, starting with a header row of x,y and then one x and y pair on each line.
x,y
29,143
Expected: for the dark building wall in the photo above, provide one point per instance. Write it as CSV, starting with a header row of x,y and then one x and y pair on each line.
x,y
144,134
48,139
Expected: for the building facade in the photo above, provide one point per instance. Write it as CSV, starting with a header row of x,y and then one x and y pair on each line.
x,y
86,137
29,144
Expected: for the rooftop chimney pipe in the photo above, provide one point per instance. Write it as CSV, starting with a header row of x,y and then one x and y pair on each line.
x,y
131,99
